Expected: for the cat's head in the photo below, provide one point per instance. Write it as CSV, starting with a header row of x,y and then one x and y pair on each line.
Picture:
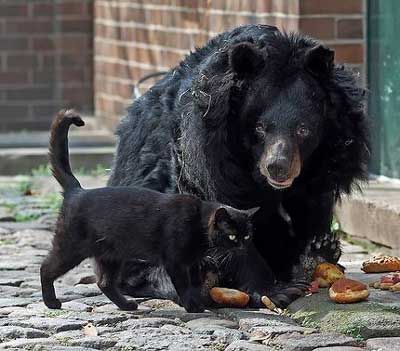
x,y
230,228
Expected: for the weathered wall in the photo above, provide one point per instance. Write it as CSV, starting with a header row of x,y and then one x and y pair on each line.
x,y
133,38
46,60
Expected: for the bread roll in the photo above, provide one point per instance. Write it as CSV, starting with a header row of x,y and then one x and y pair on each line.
x,y
326,274
348,291
229,297
380,264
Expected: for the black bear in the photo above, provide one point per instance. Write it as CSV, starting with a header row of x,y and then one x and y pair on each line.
x,y
256,117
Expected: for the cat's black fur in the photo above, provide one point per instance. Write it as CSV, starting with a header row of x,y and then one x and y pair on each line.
x,y
118,224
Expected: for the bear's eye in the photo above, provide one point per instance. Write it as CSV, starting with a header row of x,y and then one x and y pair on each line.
x,y
232,237
303,132
247,237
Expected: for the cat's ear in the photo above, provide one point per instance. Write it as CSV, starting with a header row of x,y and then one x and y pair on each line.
x,y
252,211
221,217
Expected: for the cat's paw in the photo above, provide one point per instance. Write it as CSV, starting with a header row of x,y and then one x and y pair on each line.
x,y
194,307
129,306
53,304
193,302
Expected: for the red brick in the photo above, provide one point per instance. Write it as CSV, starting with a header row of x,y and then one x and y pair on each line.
x,y
348,53
71,8
21,121
72,75
28,27
72,59
45,76
350,28
43,44
43,10
311,7
76,26
20,10
49,61
46,111
22,61
33,93
12,77
13,44
12,111
77,44
321,28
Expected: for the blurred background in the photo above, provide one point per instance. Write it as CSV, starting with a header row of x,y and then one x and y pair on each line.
x,y
89,54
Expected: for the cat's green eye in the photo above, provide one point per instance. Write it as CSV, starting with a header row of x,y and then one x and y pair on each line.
x,y
232,237
247,237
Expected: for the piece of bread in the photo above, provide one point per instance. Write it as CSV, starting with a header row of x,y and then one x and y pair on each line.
x,y
379,264
229,297
395,287
326,274
348,291
313,288
387,282
268,303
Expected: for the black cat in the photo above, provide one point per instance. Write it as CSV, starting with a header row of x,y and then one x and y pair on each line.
x,y
118,224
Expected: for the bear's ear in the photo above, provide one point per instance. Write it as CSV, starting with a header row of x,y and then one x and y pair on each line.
x,y
319,60
245,58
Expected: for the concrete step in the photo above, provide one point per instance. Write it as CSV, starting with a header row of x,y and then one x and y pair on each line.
x,y
23,160
20,152
373,214
76,138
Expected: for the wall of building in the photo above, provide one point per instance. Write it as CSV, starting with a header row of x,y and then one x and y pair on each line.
x,y
134,38
46,60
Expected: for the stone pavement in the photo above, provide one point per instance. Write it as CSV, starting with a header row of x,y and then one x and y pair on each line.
x,y
89,321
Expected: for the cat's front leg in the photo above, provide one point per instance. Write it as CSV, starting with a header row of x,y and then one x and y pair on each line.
x,y
247,272
187,282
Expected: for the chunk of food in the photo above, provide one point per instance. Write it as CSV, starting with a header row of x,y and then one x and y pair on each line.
x,y
268,303
326,274
387,282
395,287
313,288
348,291
229,297
380,264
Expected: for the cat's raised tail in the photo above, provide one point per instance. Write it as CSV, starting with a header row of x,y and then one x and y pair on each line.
x,y
58,148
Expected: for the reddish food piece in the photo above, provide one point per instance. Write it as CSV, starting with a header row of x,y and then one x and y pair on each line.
x,y
326,274
348,291
313,288
395,287
229,297
392,278
380,264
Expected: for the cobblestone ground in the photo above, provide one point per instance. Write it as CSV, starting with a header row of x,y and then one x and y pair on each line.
x,y
89,321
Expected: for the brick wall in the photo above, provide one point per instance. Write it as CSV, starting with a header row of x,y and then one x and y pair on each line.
x,y
134,38
339,24
45,60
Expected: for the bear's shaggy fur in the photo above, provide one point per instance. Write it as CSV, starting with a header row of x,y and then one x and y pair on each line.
x,y
210,126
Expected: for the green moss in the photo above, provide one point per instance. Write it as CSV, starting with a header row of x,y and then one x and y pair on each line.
x,y
45,171
55,314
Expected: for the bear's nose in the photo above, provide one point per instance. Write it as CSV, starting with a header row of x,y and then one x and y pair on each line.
x,y
278,170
